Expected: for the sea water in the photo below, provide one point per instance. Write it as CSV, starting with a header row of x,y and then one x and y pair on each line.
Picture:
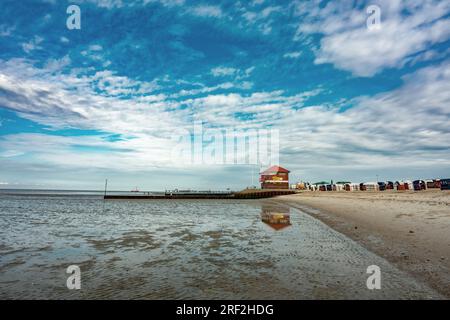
x,y
180,249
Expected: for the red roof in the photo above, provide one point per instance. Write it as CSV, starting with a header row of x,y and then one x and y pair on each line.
x,y
275,170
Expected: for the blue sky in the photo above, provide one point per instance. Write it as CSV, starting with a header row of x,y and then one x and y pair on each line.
x,y
106,101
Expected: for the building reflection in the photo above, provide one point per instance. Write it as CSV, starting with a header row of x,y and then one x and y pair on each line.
x,y
276,217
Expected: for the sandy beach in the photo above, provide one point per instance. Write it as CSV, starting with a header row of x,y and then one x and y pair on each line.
x,y
409,229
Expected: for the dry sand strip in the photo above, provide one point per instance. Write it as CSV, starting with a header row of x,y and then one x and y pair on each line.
x,y
409,229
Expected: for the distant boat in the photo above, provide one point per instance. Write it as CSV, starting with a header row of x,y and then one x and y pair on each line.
x,y
135,190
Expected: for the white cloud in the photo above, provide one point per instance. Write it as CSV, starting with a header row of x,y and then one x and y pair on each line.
x,y
111,4
33,44
261,19
223,71
95,47
207,11
410,122
202,90
89,102
257,2
73,100
112,85
11,153
407,127
6,31
244,85
350,45
93,52
267,11
264,108
238,75
53,65
292,55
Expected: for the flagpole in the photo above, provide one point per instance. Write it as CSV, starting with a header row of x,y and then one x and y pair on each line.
x,y
106,186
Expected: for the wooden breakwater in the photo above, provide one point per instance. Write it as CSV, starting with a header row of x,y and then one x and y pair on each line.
x,y
245,194
261,193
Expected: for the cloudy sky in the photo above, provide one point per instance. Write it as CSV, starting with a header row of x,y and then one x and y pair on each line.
x,y
109,100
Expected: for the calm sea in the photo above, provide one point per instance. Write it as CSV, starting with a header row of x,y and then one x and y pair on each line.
x,y
179,249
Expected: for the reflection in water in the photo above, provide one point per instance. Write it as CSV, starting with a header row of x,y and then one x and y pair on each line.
x,y
276,217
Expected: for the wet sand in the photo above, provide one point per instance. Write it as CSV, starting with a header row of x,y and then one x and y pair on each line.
x,y
409,229
183,249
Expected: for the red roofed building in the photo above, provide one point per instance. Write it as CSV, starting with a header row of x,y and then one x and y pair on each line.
x,y
275,178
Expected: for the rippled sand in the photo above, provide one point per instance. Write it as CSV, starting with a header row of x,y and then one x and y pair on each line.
x,y
181,249
410,229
